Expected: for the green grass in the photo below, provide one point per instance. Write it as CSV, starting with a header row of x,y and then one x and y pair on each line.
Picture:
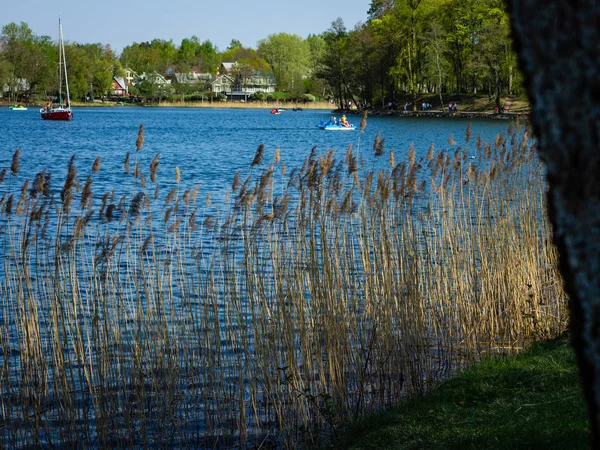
x,y
528,401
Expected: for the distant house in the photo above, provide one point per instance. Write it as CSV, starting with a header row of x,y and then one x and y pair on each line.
x,y
153,77
257,82
16,85
245,83
228,68
222,84
192,76
130,76
119,87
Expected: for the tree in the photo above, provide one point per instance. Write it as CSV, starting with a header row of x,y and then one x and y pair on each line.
x,y
436,48
234,44
407,15
287,54
558,54
331,66
246,56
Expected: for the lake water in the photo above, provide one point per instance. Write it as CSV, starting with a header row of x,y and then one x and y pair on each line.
x,y
224,321
209,145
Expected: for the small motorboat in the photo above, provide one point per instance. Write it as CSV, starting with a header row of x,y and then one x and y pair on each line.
x,y
297,109
275,111
18,108
331,126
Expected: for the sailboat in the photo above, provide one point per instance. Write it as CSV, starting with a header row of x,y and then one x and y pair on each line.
x,y
58,111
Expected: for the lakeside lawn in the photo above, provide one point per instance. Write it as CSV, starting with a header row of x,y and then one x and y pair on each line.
x,y
528,401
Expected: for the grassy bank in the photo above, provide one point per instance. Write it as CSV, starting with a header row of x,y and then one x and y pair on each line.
x,y
532,400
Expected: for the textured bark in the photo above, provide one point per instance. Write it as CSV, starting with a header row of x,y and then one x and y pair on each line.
x,y
558,43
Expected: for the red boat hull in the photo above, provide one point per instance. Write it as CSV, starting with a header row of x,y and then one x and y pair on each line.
x,y
57,115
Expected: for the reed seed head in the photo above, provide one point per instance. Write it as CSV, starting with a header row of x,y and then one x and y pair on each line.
x,y
96,166
86,193
380,147
14,167
139,143
363,122
277,155
235,185
154,168
136,206
258,156
126,165
376,141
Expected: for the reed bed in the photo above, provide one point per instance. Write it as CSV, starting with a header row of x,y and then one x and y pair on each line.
x,y
307,299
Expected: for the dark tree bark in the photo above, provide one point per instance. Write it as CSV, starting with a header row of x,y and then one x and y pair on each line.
x,y
558,43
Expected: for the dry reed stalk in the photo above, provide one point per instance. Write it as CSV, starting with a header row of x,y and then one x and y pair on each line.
x,y
336,300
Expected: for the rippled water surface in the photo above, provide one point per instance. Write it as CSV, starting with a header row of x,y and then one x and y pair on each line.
x,y
209,145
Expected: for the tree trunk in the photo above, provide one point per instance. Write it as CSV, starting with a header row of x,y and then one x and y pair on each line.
x,y
557,44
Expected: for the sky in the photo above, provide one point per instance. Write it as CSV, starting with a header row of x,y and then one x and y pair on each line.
x,y
123,23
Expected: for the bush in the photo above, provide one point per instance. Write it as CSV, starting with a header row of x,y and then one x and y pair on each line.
x,y
308,98
260,96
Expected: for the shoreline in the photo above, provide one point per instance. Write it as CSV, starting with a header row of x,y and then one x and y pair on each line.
x,y
310,106
439,114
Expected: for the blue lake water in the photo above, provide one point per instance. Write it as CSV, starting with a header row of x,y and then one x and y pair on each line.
x,y
217,328
209,145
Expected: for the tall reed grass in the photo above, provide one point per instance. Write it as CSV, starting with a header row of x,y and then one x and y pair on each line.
x,y
307,299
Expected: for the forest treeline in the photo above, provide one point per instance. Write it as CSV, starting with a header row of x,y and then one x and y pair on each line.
x,y
405,47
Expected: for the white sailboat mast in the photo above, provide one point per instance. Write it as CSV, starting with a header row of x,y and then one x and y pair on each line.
x,y
60,55
64,62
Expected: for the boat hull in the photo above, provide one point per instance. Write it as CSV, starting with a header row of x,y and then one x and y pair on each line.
x,y
65,114
337,128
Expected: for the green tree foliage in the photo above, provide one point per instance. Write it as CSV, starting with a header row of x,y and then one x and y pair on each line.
x,y
24,57
246,57
288,55
234,44
203,55
422,47
332,65
405,47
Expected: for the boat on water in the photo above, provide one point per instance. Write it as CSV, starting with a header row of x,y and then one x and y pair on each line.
x,y
18,108
330,127
59,111
275,111
335,125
